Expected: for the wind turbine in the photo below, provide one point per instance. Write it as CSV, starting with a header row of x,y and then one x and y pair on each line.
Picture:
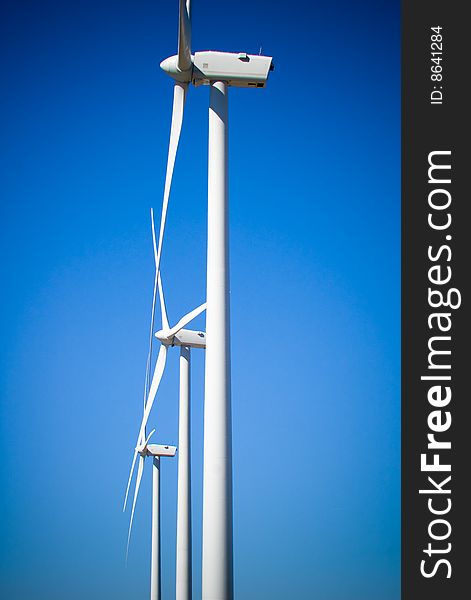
x,y
156,451
219,70
168,336
186,339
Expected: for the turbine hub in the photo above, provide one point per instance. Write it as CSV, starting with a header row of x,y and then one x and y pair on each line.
x,y
170,66
162,336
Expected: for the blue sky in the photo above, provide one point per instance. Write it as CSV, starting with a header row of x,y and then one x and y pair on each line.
x,y
315,294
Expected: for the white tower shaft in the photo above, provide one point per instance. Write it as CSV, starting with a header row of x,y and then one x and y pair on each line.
x,y
183,567
217,576
155,552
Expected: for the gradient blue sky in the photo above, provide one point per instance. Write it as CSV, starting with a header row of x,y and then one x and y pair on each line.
x,y
315,289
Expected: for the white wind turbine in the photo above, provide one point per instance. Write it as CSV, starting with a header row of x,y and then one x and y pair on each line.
x,y
157,451
186,339
219,70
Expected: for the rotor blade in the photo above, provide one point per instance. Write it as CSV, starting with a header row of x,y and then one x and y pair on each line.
x,y
158,372
184,36
158,279
140,468
136,451
152,318
179,95
186,319
144,445
129,479
163,310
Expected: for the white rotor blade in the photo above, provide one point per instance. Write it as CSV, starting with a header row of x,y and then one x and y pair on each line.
x,y
179,95
154,386
163,309
184,36
136,451
152,318
158,278
186,319
144,445
136,491
158,372
130,479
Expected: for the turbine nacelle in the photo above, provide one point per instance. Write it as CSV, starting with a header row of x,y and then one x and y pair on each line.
x,y
184,337
236,69
159,450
